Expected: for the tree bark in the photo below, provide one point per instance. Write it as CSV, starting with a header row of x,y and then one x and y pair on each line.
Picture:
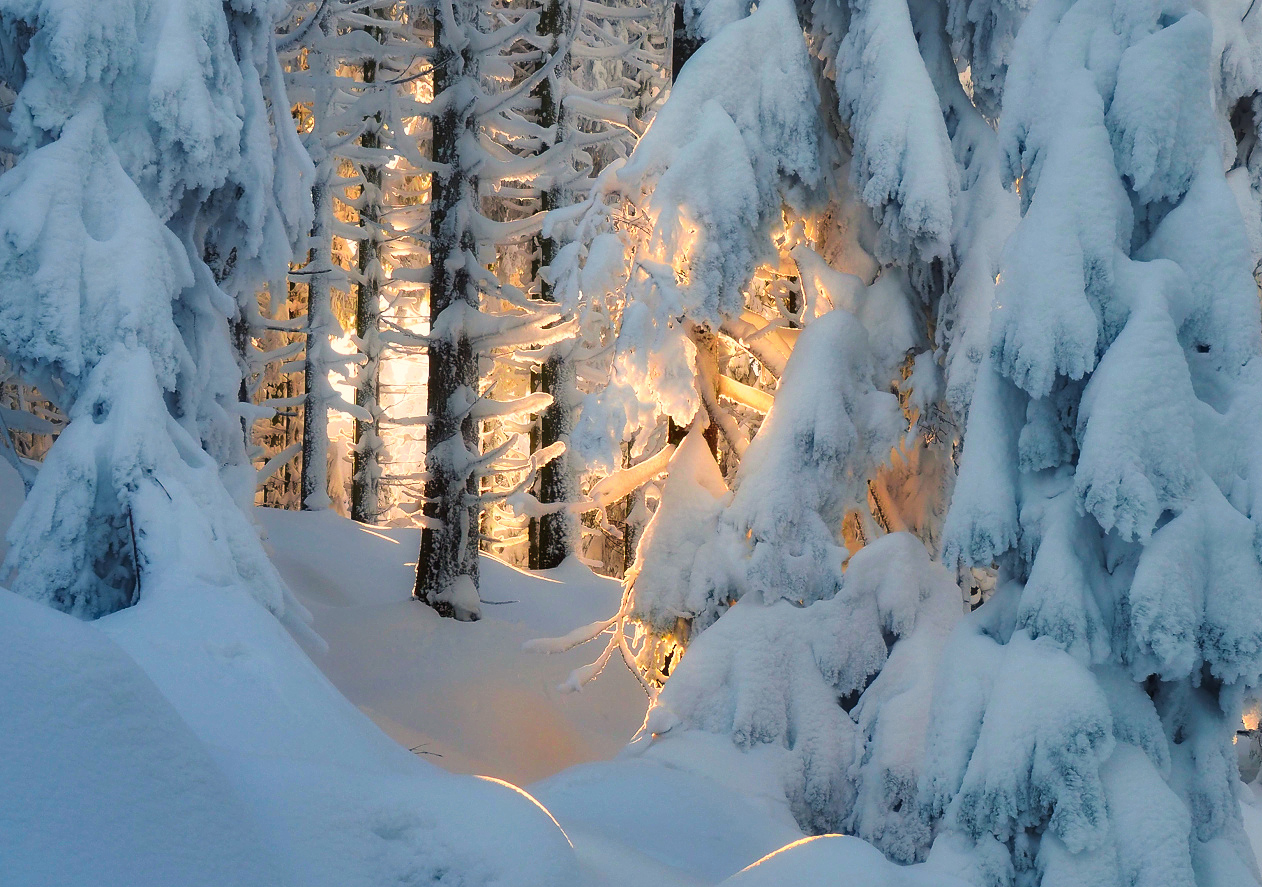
x,y
366,471
682,45
315,410
553,535
449,542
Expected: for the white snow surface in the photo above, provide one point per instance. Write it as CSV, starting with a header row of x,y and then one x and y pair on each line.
x,y
190,740
464,695
219,754
836,861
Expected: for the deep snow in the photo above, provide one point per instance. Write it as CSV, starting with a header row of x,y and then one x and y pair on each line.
x,y
462,694
190,740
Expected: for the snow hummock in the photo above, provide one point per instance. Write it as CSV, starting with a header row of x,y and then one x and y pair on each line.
x,y
189,740
833,861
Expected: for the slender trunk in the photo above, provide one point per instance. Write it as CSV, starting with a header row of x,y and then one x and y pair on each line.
x,y
682,45
447,568
552,536
241,341
315,410
365,505
681,49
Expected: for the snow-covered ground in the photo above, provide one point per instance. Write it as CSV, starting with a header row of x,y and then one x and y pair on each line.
x,y
464,695
192,740
189,740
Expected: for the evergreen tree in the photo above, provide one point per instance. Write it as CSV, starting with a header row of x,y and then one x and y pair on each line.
x,y
483,143
1108,469
1107,472
355,72
367,449
107,302
552,533
605,67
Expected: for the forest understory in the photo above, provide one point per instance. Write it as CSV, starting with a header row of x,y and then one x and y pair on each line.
x,y
534,443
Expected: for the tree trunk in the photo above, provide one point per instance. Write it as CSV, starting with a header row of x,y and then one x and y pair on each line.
x,y
315,410
682,45
552,536
447,568
365,505
681,49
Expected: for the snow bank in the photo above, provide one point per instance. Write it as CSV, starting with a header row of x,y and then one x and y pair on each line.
x,y
466,697
103,782
699,825
834,861
251,742
189,740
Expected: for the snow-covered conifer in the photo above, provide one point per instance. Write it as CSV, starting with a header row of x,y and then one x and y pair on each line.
x,y
1107,468
359,73
687,221
145,149
486,153
779,536
607,67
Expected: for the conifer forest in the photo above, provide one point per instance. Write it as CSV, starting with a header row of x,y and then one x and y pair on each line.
x,y
630,443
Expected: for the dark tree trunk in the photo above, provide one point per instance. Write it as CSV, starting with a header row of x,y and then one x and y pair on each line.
x,y
315,410
553,536
682,45
449,545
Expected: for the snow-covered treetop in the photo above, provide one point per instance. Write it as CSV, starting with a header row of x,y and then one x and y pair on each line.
x,y
738,138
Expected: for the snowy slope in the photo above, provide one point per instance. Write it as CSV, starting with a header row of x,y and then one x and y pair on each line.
x,y
465,695
469,699
694,817
88,739
189,740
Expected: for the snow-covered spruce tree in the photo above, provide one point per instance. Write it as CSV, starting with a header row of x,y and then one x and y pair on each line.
x,y
255,221
251,233
483,144
359,73
772,250
789,657
144,147
313,33
609,70
713,224
1107,468
1110,469
551,533
367,449
606,70
802,682
867,201
687,222
769,673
